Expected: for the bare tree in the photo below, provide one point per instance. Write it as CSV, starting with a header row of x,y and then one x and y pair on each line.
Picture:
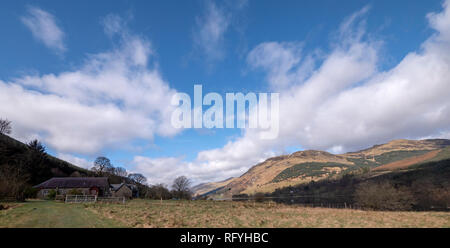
x,y
5,126
13,181
158,191
102,165
120,171
138,178
181,187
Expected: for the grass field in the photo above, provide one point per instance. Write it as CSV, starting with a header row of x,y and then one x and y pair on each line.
x,y
145,213
52,214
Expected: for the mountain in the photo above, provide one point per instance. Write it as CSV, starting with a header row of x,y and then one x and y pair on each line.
x,y
306,166
205,188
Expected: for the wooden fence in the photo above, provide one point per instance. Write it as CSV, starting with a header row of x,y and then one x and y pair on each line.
x,y
93,199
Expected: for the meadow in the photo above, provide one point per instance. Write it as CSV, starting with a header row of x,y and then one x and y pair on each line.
x,y
147,213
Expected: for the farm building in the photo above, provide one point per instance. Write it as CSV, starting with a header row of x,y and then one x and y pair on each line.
x,y
124,189
85,185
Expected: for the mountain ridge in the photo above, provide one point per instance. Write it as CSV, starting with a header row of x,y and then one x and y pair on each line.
x,y
312,165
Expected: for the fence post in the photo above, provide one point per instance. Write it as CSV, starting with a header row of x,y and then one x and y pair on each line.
x,y
123,199
66,199
95,199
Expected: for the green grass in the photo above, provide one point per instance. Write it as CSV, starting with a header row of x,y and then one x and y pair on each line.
x,y
311,169
52,214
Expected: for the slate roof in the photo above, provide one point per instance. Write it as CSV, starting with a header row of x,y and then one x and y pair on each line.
x,y
116,187
74,182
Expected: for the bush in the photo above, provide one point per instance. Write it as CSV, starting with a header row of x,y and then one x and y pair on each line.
x,y
259,197
51,194
75,192
383,196
30,192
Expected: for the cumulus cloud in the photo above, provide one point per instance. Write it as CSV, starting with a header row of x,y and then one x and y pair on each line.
x,y
44,28
342,101
114,97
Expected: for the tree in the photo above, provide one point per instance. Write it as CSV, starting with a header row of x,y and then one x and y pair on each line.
x,y
121,172
5,126
383,196
181,184
38,154
138,178
37,146
13,181
181,189
102,165
158,191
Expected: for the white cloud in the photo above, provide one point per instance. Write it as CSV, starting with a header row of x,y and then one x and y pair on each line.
x,y
81,162
44,28
344,103
165,170
210,31
212,26
113,97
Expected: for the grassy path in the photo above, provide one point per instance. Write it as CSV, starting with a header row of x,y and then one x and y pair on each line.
x,y
53,214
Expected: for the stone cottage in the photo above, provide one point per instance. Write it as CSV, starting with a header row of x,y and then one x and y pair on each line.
x,y
86,185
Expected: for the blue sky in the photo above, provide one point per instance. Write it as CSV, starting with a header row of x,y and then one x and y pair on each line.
x,y
57,57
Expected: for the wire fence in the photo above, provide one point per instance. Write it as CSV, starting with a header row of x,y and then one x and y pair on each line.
x,y
299,200
251,202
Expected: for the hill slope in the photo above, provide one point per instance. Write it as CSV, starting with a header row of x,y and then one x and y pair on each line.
x,y
37,167
306,166
22,167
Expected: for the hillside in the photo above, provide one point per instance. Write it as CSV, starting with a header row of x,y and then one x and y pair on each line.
x,y
205,188
423,186
22,167
306,166
36,167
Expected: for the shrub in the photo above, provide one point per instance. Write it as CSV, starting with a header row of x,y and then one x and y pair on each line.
x,y
259,197
383,196
30,192
51,194
75,192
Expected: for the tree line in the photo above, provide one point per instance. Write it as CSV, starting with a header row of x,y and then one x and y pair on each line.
x,y
180,186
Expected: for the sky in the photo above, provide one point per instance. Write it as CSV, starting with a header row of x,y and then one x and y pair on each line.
x,y
93,79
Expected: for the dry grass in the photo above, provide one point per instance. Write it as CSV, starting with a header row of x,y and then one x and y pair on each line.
x,y
143,213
